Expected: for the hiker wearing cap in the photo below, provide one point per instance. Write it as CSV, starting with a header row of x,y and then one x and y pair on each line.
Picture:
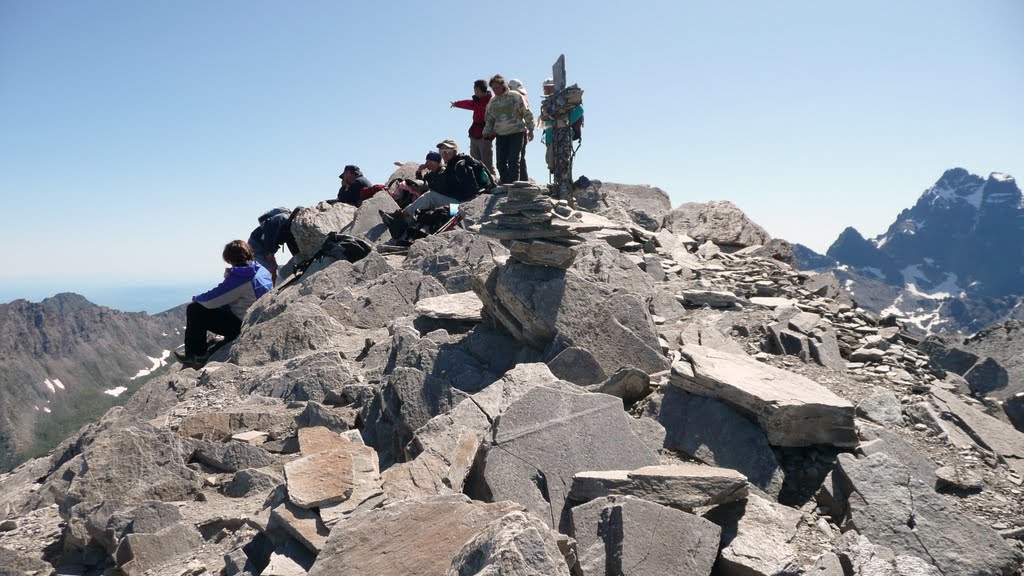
x,y
221,309
508,119
515,84
352,183
575,121
457,182
479,147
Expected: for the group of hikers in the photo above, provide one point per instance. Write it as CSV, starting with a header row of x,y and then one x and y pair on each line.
x,y
501,116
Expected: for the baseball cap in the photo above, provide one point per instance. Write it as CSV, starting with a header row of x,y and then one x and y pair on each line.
x,y
449,143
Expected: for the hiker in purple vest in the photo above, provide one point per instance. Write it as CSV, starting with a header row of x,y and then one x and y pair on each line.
x,y
221,309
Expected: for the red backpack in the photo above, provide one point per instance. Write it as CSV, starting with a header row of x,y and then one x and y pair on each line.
x,y
368,192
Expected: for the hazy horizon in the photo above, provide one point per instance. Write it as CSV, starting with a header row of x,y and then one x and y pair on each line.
x,y
149,298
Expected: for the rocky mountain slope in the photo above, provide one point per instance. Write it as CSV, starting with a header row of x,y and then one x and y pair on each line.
x,y
65,361
619,389
953,262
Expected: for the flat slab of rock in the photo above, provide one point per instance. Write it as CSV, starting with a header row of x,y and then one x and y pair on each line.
x,y
882,408
415,537
757,537
894,509
992,434
712,298
791,409
627,535
685,486
138,553
299,523
320,478
542,253
463,306
552,433
772,302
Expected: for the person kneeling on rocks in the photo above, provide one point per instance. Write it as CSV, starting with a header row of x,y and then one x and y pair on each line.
x,y
221,310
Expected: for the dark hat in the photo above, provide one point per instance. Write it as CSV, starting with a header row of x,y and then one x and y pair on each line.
x,y
449,143
354,169
436,157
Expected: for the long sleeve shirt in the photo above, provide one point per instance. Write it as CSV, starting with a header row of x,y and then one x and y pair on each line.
x,y
507,114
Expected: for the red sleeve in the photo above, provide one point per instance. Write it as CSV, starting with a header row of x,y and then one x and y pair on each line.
x,y
464,104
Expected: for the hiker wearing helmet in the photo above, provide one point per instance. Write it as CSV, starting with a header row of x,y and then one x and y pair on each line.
x,y
509,119
516,85
479,147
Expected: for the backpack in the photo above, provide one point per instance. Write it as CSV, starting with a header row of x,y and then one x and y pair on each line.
x,y
368,192
480,174
271,213
338,246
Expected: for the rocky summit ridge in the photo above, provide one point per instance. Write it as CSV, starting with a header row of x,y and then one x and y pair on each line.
x,y
616,388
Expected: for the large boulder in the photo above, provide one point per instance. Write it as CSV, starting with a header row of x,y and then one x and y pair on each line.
x,y
516,543
537,304
986,376
301,329
988,432
548,435
453,258
894,509
716,434
793,410
646,206
412,537
720,222
311,225
312,377
367,224
758,538
684,486
628,535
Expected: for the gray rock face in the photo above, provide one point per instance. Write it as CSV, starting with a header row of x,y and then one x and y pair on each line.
x,y
366,223
721,222
882,408
138,553
454,258
550,434
132,462
716,434
646,206
251,481
791,409
311,225
463,306
578,366
301,329
684,486
627,535
432,531
1014,408
712,298
231,457
600,263
894,509
19,563
757,537
517,543
536,304
406,402
986,376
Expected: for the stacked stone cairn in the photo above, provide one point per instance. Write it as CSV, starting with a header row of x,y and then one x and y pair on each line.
x,y
529,223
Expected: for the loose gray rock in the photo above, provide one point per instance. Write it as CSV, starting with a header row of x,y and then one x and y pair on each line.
x,y
894,509
578,366
517,543
463,306
720,222
791,409
231,457
138,553
453,258
629,384
311,225
251,481
987,375
757,537
627,535
883,408
712,298
992,434
366,223
645,206
958,478
550,434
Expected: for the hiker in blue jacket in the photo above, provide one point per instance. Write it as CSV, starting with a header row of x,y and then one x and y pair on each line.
x,y
274,231
221,310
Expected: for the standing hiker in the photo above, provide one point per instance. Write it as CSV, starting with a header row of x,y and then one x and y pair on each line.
x,y
479,147
515,84
508,118
221,310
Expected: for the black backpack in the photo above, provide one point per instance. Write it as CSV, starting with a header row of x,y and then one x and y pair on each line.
x,y
338,246
480,174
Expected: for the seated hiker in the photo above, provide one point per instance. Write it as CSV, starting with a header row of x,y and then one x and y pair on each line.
x,y
352,184
274,231
461,180
221,310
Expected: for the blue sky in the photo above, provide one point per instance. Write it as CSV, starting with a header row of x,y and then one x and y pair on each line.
x,y
136,138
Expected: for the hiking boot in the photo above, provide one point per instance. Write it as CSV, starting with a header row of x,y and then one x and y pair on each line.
x,y
191,360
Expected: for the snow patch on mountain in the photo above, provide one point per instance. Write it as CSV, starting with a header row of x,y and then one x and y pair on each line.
x,y
115,392
157,363
915,279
